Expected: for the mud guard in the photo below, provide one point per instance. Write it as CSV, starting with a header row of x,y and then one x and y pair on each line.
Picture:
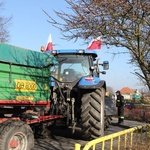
x,y
110,108
92,84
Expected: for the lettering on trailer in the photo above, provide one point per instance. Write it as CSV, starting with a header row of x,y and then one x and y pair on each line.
x,y
25,85
25,98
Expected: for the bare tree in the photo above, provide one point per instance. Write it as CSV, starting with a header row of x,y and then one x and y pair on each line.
x,y
4,23
122,23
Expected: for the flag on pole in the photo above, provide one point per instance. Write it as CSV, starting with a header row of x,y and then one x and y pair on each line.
x,y
95,44
49,45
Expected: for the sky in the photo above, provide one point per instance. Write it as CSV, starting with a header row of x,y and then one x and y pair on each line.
x,y
30,29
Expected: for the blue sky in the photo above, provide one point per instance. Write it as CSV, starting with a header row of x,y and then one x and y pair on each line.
x,y
30,29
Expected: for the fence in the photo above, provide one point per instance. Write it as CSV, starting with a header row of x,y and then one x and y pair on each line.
x,y
121,140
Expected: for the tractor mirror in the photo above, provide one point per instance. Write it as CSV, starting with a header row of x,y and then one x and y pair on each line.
x,y
105,65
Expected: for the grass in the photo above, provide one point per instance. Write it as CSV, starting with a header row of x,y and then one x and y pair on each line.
x,y
140,145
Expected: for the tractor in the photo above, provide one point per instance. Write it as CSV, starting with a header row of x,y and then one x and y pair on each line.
x,y
78,93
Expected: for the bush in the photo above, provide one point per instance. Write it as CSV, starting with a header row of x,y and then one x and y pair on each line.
x,y
138,112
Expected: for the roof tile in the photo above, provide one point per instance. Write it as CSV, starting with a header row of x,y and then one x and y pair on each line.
x,y
126,90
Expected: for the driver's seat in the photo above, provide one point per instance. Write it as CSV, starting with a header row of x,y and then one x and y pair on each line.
x,y
69,75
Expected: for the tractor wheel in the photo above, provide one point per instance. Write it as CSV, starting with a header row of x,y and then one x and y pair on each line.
x,y
92,114
108,120
16,135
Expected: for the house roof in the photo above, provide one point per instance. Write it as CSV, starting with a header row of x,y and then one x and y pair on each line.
x,y
126,90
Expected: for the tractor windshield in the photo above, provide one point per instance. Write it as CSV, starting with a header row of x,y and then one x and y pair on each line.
x,y
70,67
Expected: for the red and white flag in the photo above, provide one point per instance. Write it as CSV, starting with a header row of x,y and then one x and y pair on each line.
x,y
49,45
95,44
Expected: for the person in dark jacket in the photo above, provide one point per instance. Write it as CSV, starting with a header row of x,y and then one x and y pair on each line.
x,y
120,106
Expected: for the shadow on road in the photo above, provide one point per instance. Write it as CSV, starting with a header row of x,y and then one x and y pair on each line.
x,y
123,126
59,139
66,133
64,139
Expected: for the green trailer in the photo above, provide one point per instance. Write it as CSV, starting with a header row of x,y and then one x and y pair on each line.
x,y
24,95
24,76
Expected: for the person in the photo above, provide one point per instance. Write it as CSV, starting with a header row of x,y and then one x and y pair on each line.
x,y
120,107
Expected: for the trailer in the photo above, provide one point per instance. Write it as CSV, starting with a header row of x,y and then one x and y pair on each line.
x,y
25,80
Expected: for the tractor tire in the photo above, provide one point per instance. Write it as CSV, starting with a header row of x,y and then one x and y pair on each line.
x,y
108,120
16,135
91,114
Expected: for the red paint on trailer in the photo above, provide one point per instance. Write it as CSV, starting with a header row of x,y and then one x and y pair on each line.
x,y
24,103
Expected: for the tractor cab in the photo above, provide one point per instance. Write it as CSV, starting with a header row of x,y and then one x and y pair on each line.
x,y
74,64
71,67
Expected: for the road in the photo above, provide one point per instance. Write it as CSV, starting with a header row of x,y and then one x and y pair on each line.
x,y
62,139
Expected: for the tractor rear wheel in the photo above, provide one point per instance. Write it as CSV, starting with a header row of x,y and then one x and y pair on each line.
x,y
16,135
92,114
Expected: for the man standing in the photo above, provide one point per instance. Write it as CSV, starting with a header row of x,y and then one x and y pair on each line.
x,y
120,106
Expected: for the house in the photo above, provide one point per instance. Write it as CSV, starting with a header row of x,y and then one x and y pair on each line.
x,y
130,94
127,93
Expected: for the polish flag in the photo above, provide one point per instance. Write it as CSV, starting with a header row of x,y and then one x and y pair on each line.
x,y
49,45
95,44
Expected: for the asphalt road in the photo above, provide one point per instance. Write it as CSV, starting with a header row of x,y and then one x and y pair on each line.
x,y
63,139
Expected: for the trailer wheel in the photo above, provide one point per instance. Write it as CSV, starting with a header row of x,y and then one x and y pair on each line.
x,y
16,135
92,114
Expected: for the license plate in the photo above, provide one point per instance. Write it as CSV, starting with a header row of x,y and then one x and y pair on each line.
x,y
25,85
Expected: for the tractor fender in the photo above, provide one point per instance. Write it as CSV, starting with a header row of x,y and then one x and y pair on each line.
x,y
96,83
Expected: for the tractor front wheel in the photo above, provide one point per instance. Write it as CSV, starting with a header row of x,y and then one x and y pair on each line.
x,y
92,114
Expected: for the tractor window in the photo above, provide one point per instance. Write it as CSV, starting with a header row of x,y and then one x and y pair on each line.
x,y
72,67
54,71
